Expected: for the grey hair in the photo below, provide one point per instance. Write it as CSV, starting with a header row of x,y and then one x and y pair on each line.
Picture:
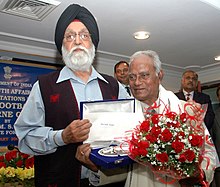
x,y
151,54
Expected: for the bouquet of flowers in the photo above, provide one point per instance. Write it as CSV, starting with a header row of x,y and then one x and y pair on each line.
x,y
171,144
16,169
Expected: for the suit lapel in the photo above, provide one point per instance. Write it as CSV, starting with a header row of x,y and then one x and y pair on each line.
x,y
182,96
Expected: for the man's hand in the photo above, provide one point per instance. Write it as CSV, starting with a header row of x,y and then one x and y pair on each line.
x,y
82,154
190,181
76,131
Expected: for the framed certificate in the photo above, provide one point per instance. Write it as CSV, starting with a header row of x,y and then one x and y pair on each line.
x,y
111,121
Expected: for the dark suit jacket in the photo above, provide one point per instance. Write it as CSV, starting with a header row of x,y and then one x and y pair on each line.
x,y
216,130
216,138
202,99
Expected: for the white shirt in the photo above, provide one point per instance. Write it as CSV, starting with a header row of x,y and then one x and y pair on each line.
x,y
186,94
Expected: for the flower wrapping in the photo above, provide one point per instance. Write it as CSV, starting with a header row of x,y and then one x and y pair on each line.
x,y
171,143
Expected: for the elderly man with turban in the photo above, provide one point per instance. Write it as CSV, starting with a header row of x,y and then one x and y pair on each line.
x,y
49,125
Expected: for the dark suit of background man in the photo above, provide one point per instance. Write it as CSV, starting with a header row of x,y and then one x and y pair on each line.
x,y
216,138
189,84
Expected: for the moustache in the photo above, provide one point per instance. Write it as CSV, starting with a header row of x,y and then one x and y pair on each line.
x,y
78,49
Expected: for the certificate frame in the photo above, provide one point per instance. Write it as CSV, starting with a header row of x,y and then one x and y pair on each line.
x,y
104,102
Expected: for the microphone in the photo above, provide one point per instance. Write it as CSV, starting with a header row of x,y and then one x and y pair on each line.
x,y
12,147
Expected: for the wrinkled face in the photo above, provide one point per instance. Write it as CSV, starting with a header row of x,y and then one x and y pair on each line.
x,y
121,73
143,79
78,50
189,81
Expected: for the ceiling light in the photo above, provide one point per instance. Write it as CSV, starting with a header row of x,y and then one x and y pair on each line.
x,y
217,58
141,35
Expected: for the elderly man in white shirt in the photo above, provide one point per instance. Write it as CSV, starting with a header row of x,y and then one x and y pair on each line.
x,y
145,76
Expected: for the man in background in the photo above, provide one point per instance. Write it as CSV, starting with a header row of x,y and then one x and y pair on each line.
x,y
189,83
121,74
49,124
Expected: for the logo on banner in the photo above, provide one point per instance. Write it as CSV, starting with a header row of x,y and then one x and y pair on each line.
x,y
7,71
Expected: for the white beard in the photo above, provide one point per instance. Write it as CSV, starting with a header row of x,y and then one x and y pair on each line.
x,y
79,60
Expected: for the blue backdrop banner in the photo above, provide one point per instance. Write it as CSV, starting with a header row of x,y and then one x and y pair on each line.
x,y
16,81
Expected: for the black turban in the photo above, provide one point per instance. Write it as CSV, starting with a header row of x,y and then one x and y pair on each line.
x,y
72,12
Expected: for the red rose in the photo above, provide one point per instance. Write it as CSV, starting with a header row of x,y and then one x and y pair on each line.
x,y
2,165
173,124
183,117
190,155
171,115
177,146
134,141
143,144
145,125
169,124
23,155
180,135
142,151
155,131
29,162
177,125
134,151
151,138
182,158
166,135
196,140
162,157
1,158
19,163
155,119
10,155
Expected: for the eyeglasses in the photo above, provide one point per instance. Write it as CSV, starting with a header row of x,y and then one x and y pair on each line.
x,y
84,36
141,76
191,78
125,70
